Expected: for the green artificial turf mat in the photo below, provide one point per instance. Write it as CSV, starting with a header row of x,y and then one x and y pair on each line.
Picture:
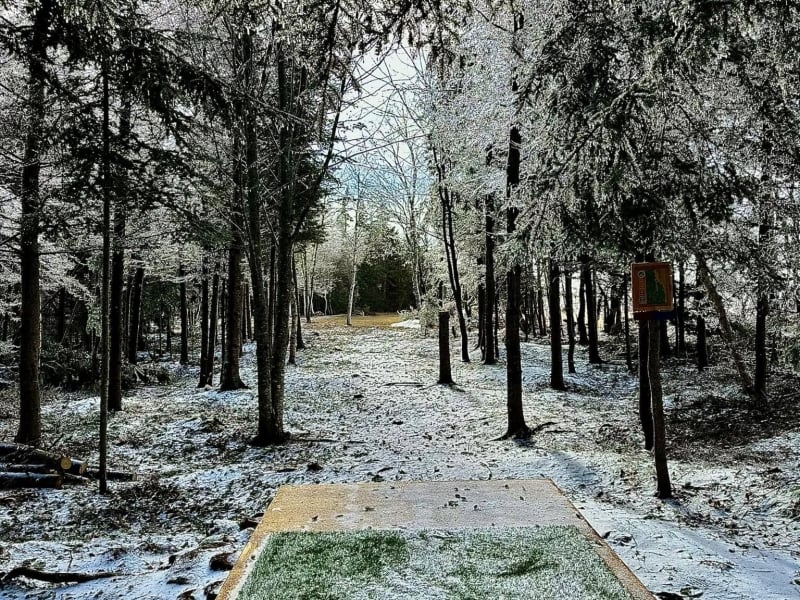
x,y
533,563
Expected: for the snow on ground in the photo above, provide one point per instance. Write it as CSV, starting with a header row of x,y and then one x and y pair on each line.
x,y
363,405
408,324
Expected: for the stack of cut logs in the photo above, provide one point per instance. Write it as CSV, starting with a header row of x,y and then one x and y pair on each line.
x,y
28,467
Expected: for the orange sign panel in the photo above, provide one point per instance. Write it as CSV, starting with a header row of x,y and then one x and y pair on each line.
x,y
651,283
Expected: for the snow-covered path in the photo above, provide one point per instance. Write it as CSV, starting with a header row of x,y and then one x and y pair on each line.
x,y
363,405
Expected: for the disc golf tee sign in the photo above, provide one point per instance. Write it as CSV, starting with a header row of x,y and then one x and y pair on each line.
x,y
652,290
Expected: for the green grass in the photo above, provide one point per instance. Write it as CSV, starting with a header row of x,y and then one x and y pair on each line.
x,y
543,563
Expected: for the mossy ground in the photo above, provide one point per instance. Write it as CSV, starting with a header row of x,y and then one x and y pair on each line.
x,y
543,563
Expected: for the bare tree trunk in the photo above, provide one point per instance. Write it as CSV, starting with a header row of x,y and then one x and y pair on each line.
x,y
168,311
184,318
445,374
762,307
30,424
117,316
292,360
490,349
230,378
554,300
570,320
352,294
134,317
61,315
727,332
517,428
458,295
628,353
583,337
204,316
212,327
681,316
481,297
354,261
645,412
540,304
702,348
298,329
223,330
270,424
591,311
664,487
105,284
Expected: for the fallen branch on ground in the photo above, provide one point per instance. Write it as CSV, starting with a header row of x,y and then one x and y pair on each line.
x,y
55,577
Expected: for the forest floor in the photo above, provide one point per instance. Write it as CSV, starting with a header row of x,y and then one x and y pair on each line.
x,y
362,405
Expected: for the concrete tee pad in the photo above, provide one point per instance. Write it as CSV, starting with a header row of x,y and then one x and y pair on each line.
x,y
413,506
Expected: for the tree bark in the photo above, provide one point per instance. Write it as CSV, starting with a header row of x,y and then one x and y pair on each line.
x,y
135,315
554,301
628,353
761,373
284,246
445,374
21,453
230,378
299,343
204,315
583,337
293,320
117,316
105,284
481,344
645,412
540,310
223,333
212,327
270,424
354,261
724,323
448,235
517,428
591,310
11,481
570,321
490,350
184,308
30,423
681,315
664,487
702,347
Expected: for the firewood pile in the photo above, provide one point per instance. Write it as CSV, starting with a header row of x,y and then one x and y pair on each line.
x,y
24,466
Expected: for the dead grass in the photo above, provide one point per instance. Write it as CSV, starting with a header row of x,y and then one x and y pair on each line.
x,y
381,320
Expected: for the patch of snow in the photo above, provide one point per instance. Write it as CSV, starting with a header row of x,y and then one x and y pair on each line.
x,y
407,324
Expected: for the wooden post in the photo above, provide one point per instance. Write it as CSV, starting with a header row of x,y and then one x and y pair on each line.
x,y
664,489
445,375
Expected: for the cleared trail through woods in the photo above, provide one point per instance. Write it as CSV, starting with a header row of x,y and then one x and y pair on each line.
x,y
587,442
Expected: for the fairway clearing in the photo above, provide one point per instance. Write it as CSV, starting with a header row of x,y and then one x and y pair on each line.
x,y
547,563
380,320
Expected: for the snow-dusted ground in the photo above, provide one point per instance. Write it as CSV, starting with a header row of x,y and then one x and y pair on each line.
x,y
363,405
